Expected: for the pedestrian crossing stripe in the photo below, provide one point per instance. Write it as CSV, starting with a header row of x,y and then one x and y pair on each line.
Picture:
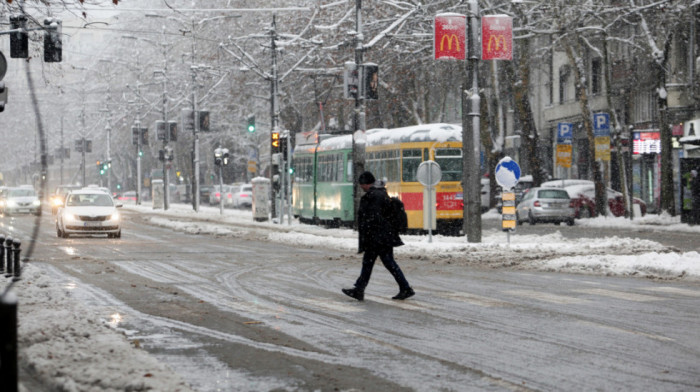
x,y
674,290
620,295
547,297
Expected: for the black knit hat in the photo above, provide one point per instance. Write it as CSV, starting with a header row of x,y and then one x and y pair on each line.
x,y
366,178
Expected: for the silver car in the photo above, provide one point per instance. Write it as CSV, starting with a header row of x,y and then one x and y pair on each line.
x,y
20,201
546,205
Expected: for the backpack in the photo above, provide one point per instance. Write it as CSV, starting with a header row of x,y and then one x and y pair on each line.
x,y
397,215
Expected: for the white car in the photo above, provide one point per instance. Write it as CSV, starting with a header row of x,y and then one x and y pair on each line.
x,y
89,211
243,196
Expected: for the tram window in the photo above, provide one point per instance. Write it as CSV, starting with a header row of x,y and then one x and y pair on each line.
x,y
392,167
450,161
410,162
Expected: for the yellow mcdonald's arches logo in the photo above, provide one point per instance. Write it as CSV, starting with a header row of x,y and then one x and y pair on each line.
x,y
449,38
499,41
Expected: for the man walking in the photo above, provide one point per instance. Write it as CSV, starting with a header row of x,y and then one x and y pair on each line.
x,y
376,238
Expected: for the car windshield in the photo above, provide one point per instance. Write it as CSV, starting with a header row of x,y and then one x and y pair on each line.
x,y
21,193
248,188
90,199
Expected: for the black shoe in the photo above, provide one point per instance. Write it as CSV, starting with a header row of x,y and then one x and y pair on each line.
x,y
404,293
355,293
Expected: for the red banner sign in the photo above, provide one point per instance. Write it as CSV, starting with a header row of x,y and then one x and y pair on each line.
x,y
450,37
496,37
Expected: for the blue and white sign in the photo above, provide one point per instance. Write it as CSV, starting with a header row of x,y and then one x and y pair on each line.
x,y
507,173
601,124
565,133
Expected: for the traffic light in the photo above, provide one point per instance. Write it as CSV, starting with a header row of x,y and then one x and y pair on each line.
x,y
370,82
283,148
251,123
53,46
100,168
221,156
275,142
19,41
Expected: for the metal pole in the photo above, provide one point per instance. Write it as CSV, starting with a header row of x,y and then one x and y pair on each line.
x,y
289,179
276,212
62,150
221,188
166,164
359,113
138,160
109,156
195,117
84,143
471,109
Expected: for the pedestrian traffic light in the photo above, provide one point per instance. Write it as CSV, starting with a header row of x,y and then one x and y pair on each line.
x,y
370,83
251,123
275,145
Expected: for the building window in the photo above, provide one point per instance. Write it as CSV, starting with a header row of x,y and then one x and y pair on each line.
x,y
596,76
644,107
564,73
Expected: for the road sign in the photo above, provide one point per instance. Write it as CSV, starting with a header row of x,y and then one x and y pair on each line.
x,y
601,124
507,173
429,173
565,133
450,37
496,37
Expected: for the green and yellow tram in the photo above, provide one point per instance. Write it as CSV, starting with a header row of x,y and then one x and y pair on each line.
x,y
322,189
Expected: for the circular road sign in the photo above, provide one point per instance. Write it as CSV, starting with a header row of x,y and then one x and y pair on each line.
x,y
3,65
429,173
507,173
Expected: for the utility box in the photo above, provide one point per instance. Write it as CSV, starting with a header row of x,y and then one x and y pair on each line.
x,y
157,193
261,198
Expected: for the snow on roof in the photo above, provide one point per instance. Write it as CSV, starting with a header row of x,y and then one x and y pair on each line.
x,y
417,133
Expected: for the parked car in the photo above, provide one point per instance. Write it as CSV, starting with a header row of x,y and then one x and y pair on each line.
x,y
20,201
218,193
59,196
545,205
89,211
583,200
204,193
523,185
242,196
584,194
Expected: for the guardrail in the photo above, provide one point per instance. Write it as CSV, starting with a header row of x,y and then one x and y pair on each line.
x,y
11,267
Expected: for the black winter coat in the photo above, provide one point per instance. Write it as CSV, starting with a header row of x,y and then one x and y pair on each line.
x,y
375,233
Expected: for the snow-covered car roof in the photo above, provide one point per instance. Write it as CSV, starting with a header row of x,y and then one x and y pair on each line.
x,y
565,183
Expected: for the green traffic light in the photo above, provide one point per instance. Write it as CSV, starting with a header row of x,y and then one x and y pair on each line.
x,y
251,128
140,153
102,172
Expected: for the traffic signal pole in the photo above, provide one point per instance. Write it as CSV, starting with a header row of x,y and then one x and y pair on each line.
x,y
358,158
274,113
471,139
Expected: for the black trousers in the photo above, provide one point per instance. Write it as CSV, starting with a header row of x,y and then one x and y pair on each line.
x,y
387,257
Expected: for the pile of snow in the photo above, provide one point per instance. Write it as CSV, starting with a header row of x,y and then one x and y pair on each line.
x,y
65,348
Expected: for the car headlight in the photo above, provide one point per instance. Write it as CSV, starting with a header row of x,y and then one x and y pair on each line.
x,y
72,217
11,203
56,201
114,216
36,203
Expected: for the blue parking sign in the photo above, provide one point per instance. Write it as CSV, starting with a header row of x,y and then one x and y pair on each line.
x,y
601,124
565,133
